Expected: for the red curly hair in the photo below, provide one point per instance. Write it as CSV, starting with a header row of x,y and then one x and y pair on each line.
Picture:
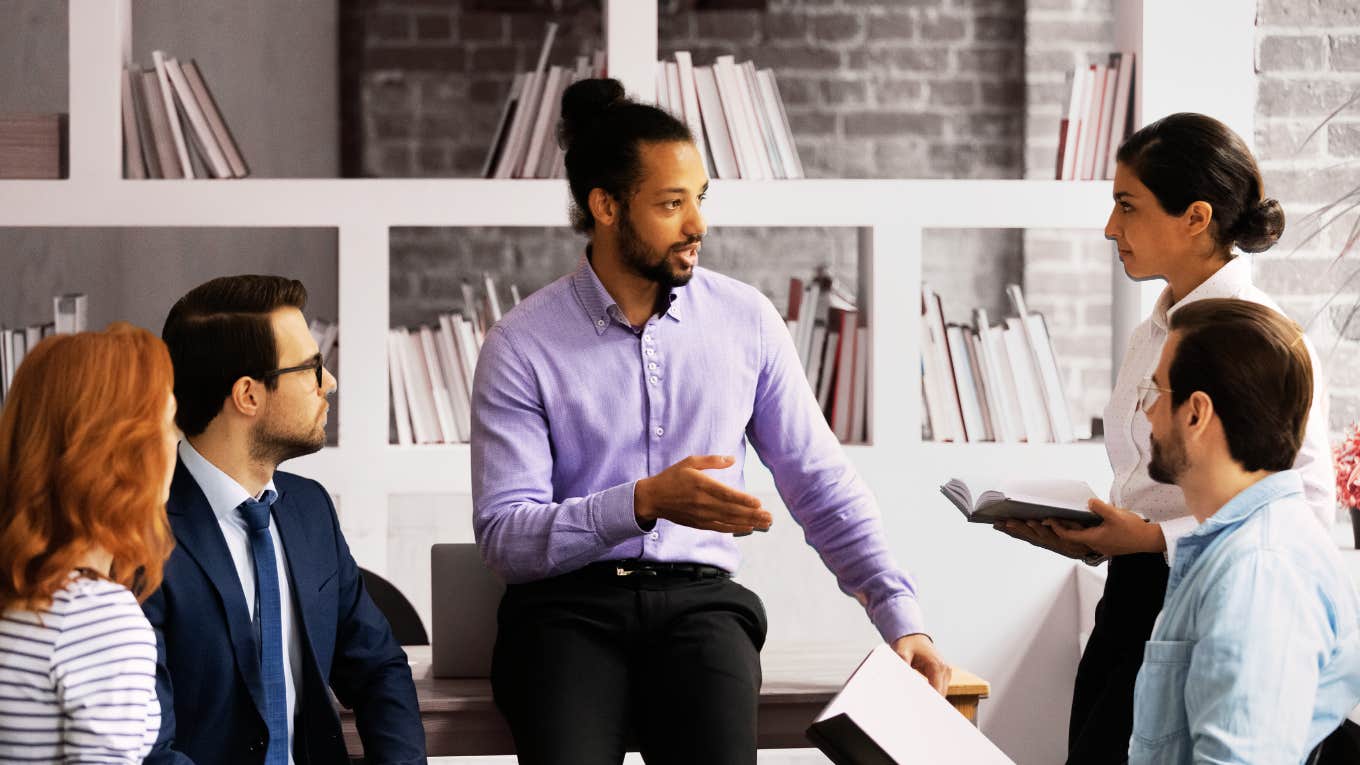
x,y
82,463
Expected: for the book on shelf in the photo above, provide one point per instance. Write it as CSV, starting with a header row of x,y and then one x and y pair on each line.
x,y
33,146
991,382
987,499
888,714
832,343
172,126
69,315
431,368
1097,119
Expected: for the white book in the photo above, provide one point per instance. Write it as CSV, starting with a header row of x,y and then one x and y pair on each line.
x,y
764,127
134,164
1090,134
973,426
451,365
1123,91
553,154
931,390
887,712
493,301
1103,129
1033,410
467,348
418,396
168,96
996,341
1046,364
689,101
443,404
774,106
471,305
5,366
141,111
70,313
859,410
548,109
828,373
1074,116
514,294
739,120
978,365
217,160
952,414
401,411
512,161
716,131
987,499
842,404
674,100
813,312
663,93
998,395
812,359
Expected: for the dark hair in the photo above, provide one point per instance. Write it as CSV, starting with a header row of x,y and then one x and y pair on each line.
x,y
1186,157
601,130
219,333
1253,364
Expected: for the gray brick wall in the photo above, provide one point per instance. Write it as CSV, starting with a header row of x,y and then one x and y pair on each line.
x,y
879,89
1308,66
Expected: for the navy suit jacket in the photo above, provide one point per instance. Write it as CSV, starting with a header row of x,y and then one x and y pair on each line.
x,y
208,670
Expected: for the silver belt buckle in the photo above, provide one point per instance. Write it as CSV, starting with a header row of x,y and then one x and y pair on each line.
x,y
621,571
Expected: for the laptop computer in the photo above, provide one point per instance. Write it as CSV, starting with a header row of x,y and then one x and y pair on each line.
x,y
464,597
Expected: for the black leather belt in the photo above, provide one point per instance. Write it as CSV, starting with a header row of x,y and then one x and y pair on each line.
x,y
630,567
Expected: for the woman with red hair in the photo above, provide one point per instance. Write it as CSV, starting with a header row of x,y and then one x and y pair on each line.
x,y
87,450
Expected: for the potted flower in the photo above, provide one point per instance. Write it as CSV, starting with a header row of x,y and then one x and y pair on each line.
x,y
1347,455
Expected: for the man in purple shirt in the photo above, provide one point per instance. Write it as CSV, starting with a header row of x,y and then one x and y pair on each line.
x,y
611,412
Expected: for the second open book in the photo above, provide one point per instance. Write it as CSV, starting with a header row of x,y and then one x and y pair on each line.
x,y
986,500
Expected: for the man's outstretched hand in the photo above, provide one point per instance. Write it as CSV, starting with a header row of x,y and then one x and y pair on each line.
x,y
683,494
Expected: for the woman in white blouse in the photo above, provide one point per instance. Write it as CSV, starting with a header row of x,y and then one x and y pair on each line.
x,y
87,449
1187,194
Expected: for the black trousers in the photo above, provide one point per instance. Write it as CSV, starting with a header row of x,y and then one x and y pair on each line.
x,y
1102,701
588,665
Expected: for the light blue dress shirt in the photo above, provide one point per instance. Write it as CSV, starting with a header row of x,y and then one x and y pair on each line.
x,y
1256,655
571,406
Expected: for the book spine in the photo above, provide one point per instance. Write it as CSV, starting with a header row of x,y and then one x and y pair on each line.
x,y
168,97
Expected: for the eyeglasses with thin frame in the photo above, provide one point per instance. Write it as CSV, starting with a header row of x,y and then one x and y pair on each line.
x,y
1148,393
313,364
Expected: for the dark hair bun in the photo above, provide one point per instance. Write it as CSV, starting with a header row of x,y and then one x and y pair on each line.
x,y
1260,227
583,103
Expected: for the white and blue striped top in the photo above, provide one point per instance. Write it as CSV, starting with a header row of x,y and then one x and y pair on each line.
x,y
78,680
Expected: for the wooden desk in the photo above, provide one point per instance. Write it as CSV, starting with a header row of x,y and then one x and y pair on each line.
x,y
462,720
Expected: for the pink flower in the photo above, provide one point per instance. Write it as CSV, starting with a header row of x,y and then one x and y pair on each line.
x,y
1347,458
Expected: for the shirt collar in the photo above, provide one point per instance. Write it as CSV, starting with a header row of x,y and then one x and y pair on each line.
x,y
600,307
222,491
1226,282
1249,501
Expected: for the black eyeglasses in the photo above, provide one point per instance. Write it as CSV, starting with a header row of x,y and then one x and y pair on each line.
x,y
314,364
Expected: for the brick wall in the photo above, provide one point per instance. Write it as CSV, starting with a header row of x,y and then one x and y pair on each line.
x,y
877,89
1308,66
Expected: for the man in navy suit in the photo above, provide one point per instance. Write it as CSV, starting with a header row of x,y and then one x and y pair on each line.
x,y
263,612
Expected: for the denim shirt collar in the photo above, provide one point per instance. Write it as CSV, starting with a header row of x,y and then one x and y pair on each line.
x,y
1237,511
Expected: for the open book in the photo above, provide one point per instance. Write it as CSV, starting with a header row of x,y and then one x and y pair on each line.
x,y
887,714
984,500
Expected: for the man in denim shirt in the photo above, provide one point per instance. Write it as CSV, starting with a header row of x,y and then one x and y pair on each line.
x,y
1256,655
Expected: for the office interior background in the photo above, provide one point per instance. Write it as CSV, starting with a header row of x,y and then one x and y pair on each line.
x,y
874,89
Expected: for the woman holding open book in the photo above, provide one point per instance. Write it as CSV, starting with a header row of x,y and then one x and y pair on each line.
x,y
1187,196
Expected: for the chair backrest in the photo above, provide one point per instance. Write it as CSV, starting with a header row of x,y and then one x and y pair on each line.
x,y
406,624
465,595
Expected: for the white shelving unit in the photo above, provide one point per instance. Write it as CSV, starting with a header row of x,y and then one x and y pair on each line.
x,y
364,469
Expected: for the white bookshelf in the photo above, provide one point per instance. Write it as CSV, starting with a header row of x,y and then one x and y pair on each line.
x,y
891,215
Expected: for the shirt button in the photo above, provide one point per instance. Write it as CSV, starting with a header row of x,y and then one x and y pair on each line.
x,y
655,535
660,432
652,366
650,352
599,322
654,380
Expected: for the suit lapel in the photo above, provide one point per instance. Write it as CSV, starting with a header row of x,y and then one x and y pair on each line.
x,y
198,534
303,567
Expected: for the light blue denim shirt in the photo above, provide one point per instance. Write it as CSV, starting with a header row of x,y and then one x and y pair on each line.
x,y
1256,655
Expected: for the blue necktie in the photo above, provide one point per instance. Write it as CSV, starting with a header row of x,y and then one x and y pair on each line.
x,y
268,615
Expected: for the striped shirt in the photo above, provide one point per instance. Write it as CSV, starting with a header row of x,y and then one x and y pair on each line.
x,y
78,680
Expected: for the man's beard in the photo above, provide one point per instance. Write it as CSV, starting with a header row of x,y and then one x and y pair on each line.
x,y
1168,462
272,444
646,262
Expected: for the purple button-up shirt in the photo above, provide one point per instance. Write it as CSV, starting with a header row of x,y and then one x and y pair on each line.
x,y
571,406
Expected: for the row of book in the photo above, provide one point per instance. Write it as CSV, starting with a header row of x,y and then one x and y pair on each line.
x,y
69,315
431,368
172,127
991,382
735,113
1098,118
832,341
